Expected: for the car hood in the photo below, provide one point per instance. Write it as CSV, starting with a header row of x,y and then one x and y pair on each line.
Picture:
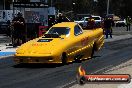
x,y
40,46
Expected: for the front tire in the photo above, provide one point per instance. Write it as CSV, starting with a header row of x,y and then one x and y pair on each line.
x,y
64,58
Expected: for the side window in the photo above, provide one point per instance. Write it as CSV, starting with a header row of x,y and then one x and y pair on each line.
x,y
77,30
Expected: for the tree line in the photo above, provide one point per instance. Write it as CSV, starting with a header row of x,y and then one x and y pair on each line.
x,y
98,7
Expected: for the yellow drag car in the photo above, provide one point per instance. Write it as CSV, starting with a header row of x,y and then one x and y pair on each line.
x,y
63,42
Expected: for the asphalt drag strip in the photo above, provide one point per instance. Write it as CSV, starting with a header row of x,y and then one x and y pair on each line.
x,y
111,55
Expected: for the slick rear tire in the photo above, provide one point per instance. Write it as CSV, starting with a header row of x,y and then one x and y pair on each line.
x,y
93,50
64,58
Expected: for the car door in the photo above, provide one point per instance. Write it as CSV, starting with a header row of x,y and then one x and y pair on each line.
x,y
78,38
83,43
74,50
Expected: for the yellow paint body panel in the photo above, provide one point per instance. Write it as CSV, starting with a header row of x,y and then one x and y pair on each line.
x,y
51,52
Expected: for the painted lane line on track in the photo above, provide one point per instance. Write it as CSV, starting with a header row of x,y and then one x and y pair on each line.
x,y
102,69
6,53
68,84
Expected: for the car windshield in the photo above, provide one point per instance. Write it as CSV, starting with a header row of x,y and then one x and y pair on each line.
x,y
59,30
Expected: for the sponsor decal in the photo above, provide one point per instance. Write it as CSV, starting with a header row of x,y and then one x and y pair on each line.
x,y
44,40
84,41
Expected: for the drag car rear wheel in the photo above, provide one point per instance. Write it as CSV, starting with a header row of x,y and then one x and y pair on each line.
x,y
64,58
93,50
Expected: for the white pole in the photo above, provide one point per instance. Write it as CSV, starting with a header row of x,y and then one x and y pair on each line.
x,y
108,2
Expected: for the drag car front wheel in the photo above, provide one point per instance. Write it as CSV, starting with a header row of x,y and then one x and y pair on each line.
x,y
64,58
